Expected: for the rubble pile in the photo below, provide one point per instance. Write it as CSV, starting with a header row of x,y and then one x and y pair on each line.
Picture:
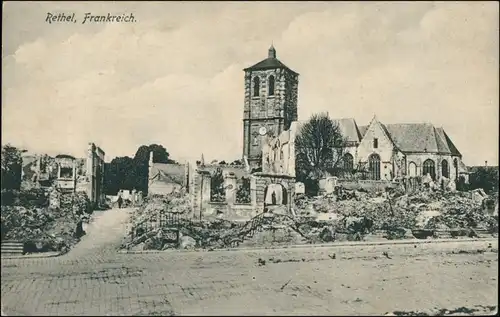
x,y
345,215
393,211
146,221
30,219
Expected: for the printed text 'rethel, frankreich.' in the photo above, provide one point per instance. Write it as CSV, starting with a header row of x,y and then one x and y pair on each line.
x,y
89,18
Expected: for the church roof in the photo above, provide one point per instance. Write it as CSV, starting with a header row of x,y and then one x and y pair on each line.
x,y
362,130
421,137
347,126
269,63
408,137
349,129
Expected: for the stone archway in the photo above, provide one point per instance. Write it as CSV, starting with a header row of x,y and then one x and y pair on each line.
x,y
275,195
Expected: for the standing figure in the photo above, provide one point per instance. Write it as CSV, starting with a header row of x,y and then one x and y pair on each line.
x,y
273,198
120,199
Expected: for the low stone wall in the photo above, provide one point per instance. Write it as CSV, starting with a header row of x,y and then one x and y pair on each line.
x,y
230,212
368,185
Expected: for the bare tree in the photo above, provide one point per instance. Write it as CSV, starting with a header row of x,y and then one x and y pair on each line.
x,y
319,147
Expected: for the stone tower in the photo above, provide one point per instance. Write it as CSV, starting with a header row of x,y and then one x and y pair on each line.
x,y
271,91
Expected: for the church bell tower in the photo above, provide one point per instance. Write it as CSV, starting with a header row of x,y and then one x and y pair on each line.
x,y
271,92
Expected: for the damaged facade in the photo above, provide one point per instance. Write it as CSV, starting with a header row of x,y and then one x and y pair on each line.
x,y
165,178
233,192
67,173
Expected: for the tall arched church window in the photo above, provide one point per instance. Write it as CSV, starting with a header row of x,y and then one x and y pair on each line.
x,y
429,168
445,172
455,166
348,162
271,86
256,86
412,169
374,166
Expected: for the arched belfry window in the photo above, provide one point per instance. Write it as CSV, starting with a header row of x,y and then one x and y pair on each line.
x,y
256,86
271,85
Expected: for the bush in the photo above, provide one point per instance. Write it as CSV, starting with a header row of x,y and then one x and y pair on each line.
x,y
34,197
243,192
395,233
485,178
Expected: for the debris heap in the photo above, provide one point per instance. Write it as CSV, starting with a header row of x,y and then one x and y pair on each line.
x,y
28,216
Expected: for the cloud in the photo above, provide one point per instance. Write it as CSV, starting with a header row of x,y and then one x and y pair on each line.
x,y
176,76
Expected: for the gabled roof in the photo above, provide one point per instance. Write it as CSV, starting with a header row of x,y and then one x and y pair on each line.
x,y
420,137
347,126
349,129
362,130
167,173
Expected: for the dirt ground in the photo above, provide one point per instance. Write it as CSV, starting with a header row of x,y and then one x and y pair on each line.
x,y
458,277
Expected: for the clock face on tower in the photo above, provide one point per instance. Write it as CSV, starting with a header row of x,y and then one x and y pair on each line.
x,y
262,131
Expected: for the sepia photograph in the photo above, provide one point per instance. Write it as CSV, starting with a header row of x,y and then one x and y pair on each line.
x,y
246,158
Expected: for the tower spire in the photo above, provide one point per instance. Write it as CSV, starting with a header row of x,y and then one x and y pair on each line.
x,y
271,52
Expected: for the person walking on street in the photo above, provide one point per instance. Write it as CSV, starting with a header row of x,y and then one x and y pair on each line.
x,y
120,200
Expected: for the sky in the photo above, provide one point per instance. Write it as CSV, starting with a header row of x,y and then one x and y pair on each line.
x,y
175,75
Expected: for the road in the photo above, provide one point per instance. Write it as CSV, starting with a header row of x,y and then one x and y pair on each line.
x,y
355,280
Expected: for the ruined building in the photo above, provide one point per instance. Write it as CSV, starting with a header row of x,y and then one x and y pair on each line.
x,y
67,173
166,178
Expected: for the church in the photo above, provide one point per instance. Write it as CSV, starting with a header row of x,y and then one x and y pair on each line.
x,y
386,151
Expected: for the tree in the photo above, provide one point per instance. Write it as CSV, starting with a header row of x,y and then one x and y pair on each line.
x,y
121,173
217,190
12,163
319,147
133,173
243,191
236,162
141,160
485,178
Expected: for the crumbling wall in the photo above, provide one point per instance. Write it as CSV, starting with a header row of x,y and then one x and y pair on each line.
x,y
89,176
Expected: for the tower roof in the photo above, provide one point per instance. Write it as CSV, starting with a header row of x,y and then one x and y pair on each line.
x,y
270,62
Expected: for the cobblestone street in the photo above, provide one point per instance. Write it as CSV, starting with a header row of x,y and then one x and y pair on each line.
x,y
95,279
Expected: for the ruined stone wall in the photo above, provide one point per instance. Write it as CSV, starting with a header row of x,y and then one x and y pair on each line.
x,y
90,174
230,209
66,175
260,182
